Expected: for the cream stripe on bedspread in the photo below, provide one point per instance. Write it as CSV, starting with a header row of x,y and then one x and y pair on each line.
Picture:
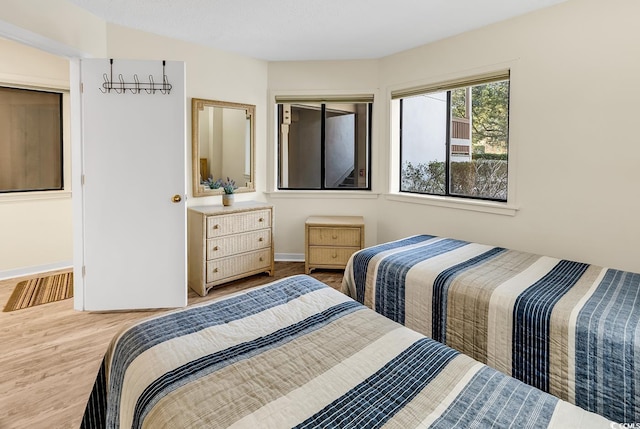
x,y
374,265
215,397
345,372
419,281
176,352
562,333
465,373
467,325
500,324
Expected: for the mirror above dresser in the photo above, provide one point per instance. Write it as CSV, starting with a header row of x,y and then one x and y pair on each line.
x,y
223,140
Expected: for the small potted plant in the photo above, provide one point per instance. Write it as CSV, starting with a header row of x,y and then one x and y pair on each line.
x,y
229,187
212,184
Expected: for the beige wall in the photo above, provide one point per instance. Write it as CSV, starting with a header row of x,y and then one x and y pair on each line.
x,y
64,27
35,227
291,207
573,146
574,95
38,234
574,153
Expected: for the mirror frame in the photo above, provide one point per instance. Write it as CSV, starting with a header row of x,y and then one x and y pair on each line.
x,y
197,105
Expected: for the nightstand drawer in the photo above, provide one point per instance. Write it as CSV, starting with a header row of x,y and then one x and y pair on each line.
x,y
330,256
234,244
322,236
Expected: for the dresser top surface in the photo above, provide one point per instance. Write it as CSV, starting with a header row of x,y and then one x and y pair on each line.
x,y
238,206
335,221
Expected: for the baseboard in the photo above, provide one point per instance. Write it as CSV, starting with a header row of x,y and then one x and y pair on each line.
x,y
289,257
27,271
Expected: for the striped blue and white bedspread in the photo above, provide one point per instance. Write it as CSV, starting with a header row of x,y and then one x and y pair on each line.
x,y
568,328
297,353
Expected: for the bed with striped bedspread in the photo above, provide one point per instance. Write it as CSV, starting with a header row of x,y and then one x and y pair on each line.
x,y
568,328
297,353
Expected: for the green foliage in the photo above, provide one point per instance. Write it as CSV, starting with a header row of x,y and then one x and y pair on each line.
x,y
490,112
423,178
458,103
483,178
496,156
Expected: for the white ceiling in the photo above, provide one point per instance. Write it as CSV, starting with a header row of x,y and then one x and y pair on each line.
x,y
277,30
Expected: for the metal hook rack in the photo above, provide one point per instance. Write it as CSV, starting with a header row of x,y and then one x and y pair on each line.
x,y
136,86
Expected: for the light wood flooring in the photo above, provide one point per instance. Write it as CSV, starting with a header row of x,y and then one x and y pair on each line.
x,y
50,354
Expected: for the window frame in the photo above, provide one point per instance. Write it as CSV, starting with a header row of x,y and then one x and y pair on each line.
x,y
448,86
323,101
11,194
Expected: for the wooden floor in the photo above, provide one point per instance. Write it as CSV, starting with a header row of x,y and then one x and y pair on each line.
x,y
50,354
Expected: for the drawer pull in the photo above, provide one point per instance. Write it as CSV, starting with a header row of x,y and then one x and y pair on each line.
x,y
216,226
261,219
260,239
334,236
215,248
215,270
261,259
334,256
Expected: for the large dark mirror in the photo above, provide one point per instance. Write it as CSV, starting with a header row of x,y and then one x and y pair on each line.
x,y
222,145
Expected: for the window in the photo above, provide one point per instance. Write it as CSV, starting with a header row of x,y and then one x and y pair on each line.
x,y
454,138
324,145
30,140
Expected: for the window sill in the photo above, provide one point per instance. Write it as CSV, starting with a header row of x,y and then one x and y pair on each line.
x,y
504,209
323,194
34,196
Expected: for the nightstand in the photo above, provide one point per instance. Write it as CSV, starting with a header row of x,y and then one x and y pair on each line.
x,y
331,240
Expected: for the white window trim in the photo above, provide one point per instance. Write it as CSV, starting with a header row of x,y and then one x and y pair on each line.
x,y
322,193
483,206
12,197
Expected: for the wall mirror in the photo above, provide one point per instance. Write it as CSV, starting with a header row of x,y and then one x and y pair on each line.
x,y
222,138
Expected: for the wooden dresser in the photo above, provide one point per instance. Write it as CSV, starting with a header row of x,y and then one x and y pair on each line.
x,y
331,240
228,243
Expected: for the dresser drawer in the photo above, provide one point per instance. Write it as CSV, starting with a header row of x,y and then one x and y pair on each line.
x,y
233,244
218,269
221,225
321,236
330,256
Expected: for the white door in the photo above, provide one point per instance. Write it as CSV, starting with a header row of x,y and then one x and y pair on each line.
x,y
133,162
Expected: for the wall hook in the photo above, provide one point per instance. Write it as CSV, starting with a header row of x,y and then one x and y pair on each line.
x,y
135,87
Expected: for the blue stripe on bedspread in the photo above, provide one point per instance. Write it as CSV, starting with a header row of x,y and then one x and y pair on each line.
x,y
362,258
95,414
492,399
606,372
155,331
392,271
206,365
377,399
441,291
531,320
